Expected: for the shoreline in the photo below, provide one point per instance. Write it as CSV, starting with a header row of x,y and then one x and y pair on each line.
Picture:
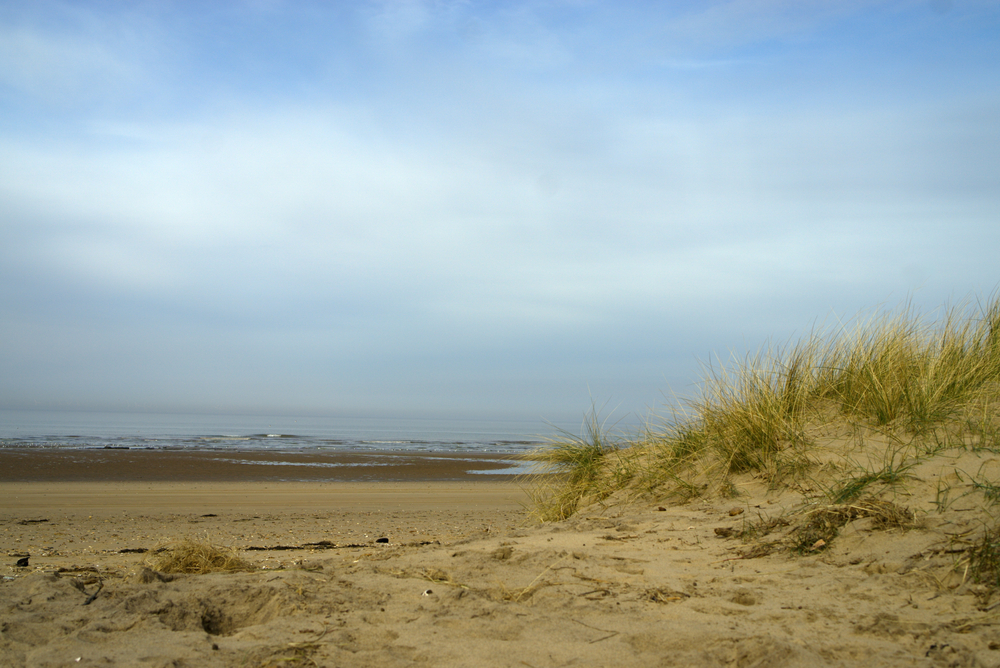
x,y
24,465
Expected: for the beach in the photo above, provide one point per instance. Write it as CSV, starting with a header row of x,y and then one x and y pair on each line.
x,y
456,573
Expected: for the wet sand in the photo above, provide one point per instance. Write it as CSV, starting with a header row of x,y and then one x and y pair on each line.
x,y
136,465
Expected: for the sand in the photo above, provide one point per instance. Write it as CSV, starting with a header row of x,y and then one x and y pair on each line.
x,y
464,578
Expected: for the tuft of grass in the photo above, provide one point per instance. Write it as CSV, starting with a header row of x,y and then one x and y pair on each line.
x,y
894,470
577,468
933,385
981,429
897,368
749,414
984,558
990,490
188,556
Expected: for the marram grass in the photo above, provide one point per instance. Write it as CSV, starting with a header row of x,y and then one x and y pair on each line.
x,y
894,376
589,466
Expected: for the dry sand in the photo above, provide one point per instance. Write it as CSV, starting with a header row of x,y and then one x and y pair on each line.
x,y
466,579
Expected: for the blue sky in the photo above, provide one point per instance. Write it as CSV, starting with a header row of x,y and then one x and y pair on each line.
x,y
474,209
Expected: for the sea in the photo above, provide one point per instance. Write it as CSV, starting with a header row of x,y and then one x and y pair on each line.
x,y
81,429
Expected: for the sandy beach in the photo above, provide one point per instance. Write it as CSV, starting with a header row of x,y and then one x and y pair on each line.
x,y
455,573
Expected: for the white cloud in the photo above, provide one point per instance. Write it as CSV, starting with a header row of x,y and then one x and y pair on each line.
x,y
313,196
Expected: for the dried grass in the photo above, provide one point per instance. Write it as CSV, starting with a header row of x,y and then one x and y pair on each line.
x,y
824,523
813,529
188,556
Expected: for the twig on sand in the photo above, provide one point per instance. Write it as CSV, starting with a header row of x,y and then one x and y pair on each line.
x,y
611,634
90,599
531,586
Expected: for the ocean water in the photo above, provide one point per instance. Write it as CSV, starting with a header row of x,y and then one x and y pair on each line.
x,y
78,429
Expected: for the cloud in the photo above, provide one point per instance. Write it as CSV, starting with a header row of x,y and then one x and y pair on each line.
x,y
464,206
304,193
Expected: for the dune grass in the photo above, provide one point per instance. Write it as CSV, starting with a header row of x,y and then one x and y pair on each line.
x,y
920,385
589,466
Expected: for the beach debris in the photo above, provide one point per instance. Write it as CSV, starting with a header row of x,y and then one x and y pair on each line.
x,y
321,545
611,634
329,545
596,594
427,592
27,522
662,595
81,584
77,569
90,599
23,562
305,565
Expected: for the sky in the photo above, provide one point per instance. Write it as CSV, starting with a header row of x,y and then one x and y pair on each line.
x,y
474,209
